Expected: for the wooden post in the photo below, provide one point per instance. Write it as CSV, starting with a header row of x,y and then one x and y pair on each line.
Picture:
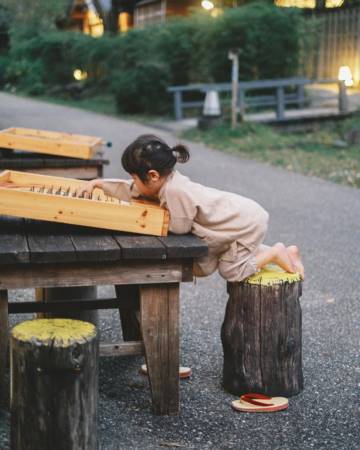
x,y
234,57
343,99
301,95
261,335
242,104
54,387
160,329
178,105
280,103
4,344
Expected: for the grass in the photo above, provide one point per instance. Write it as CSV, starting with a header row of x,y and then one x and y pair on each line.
x,y
311,153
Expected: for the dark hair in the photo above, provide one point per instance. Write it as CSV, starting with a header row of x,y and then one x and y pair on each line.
x,y
149,152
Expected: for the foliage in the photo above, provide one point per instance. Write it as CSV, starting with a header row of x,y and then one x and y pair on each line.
x,y
4,28
34,15
265,36
142,89
138,66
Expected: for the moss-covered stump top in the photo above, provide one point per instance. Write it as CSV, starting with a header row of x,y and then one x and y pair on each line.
x,y
271,275
55,332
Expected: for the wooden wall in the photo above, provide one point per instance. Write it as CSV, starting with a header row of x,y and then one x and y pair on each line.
x,y
339,44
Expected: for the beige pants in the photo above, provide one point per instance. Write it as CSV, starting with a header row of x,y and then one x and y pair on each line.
x,y
239,263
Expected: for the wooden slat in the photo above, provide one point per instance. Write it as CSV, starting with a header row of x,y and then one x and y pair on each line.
x,y
21,162
75,274
141,247
95,245
71,305
14,248
184,246
48,244
122,349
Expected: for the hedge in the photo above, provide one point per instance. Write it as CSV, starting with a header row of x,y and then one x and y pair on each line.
x,y
137,67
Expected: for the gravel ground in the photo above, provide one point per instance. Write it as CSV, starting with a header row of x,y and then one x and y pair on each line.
x,y
323,219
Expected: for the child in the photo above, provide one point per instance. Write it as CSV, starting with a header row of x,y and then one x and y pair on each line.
x,y
232,226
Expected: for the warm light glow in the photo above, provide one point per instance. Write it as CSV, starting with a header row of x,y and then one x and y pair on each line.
x,y
93,24
79,75
124,21
207,5
346,75
296,3
307,3
216,12
333,3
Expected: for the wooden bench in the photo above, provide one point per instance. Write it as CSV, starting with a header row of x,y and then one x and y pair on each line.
x,y
147,271
277,95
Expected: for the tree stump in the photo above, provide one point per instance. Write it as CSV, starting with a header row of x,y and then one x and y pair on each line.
x,y
54,385
261,335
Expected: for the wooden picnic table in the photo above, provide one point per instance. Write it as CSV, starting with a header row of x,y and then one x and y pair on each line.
x,y
85,169
146,271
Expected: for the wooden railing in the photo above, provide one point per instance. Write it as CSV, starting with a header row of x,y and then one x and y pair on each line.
x,y
280,99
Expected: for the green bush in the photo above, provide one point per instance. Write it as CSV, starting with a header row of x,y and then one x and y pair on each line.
x,y
138,66
266,36
142,89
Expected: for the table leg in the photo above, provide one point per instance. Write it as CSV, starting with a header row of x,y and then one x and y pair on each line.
x,y
159,310
129,318
4,342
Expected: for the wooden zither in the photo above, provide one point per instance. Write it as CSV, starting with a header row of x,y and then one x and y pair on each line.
x,y
50,142
53,199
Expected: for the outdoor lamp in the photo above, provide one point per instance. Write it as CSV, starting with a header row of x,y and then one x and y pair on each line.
x,y
345,75
207,5
79,75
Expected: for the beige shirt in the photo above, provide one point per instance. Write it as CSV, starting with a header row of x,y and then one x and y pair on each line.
x,y
219,218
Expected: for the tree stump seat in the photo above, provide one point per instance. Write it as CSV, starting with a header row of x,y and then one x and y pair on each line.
x,y
261,334
54,385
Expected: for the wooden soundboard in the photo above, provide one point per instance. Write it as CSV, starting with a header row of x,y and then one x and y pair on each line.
x,y
50,142
43,197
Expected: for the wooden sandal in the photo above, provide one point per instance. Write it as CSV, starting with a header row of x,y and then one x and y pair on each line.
x,y
250,403
184,372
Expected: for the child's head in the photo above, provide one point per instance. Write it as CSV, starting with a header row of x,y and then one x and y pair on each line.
x,y
149,160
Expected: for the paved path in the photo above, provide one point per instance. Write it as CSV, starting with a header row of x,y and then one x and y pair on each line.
x,y
324,219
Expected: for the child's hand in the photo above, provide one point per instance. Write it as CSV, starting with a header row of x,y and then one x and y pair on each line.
x,y
86,189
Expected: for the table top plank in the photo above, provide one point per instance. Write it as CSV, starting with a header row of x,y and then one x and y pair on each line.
x,y
92,244
184,246
48,242
14,247
140,247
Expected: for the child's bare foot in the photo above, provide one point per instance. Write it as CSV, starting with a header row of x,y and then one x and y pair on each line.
x,y
294,254
282,258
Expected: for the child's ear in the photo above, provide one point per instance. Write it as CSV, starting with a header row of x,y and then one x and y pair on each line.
x,y
153,175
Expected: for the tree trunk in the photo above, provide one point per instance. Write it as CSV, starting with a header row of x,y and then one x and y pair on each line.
x,y
261,337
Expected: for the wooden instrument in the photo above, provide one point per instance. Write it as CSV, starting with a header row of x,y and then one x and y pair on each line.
x,y
50,142
43,197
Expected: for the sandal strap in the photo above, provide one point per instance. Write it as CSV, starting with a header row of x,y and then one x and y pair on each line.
x,y
249,398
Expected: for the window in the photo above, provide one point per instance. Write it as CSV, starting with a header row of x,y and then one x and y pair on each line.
x,y
149,12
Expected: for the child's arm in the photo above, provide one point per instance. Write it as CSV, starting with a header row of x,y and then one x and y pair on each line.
x,y
121,189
